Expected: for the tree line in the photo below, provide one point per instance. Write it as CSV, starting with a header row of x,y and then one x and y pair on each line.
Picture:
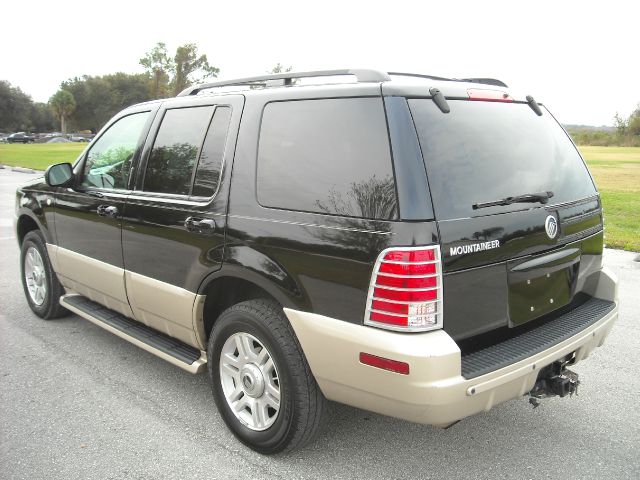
x,y
625,134
88,102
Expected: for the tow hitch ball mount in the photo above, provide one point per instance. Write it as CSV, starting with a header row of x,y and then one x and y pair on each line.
x,y
555,380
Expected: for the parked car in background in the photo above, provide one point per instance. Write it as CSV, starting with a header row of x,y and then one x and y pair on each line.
x,y
20,137
78,138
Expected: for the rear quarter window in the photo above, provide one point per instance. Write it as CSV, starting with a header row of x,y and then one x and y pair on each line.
x,y
328,156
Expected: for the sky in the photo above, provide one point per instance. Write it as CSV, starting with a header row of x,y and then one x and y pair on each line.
x,y
580,58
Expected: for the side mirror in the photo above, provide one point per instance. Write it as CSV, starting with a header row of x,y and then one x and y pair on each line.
x,y
59,175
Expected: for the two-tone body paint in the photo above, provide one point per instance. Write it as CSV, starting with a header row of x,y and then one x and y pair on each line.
x,y
309,261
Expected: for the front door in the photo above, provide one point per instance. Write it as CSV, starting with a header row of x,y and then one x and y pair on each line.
x,y
174,223
88,217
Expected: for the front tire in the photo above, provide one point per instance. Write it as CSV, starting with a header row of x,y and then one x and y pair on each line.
x,y
261,381
41,286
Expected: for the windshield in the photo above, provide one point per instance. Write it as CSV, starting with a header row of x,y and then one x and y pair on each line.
x,y
486,151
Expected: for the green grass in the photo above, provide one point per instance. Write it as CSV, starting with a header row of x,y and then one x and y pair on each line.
x,y
616,171
39,155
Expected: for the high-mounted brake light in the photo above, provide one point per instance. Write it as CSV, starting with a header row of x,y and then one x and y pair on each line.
x,y
405,292
486,95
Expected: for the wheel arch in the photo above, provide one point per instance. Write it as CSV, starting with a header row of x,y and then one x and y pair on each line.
x,y
25,224
236,283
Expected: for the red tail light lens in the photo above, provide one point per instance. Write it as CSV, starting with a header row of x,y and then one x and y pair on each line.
x,y
486,95
407,282
403,269
405,293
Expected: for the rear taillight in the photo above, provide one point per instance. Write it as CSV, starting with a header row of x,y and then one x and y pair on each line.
x,y
405,293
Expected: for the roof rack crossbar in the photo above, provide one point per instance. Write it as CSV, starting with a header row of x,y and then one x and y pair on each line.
x,y
362,75
486,81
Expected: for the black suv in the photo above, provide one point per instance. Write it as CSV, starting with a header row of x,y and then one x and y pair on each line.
x,y
421,247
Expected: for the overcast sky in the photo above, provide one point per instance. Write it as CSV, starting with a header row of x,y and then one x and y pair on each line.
x,y
580,58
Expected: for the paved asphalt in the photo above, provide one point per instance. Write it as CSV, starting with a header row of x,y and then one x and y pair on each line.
x,y
79,403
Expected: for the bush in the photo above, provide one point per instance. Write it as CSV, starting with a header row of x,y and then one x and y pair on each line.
x,y
604,138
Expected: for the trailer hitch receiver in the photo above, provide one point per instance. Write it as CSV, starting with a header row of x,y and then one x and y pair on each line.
x,y
555,380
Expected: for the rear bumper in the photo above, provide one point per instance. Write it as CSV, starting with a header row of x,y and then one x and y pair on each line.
x,y
435,392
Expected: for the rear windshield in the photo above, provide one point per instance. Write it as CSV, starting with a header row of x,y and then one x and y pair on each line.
x,y
485,151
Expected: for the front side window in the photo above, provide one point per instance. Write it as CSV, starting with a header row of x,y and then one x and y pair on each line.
x,y
175,150
328,156
108,162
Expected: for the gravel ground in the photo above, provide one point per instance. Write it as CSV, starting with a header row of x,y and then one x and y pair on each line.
x,y
79,403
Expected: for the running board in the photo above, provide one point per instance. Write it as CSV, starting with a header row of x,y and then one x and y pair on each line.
x,y
173,351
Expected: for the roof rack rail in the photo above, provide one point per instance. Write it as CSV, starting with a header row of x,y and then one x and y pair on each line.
x,y
486,81
420,75
362,75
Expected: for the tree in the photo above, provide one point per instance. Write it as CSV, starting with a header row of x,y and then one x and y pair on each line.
x,y
42,118
169,76
633,123
15,108
279,68
100,98
159,67
621,124
189,68
63,104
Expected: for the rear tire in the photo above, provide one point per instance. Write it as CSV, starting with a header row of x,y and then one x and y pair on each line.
x,y
41,286
266,363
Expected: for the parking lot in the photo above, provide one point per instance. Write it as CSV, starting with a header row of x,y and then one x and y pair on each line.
x,y
79,402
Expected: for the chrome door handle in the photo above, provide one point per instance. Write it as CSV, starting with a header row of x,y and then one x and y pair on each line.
x,y
107,211
200,225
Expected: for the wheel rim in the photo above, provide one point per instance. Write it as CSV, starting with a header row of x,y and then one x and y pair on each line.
x,y
35,276
250,381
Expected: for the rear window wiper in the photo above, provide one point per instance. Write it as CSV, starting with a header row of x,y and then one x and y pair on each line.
x,y
542,197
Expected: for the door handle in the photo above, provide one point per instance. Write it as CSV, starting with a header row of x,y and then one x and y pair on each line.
x,y
200,225
107,211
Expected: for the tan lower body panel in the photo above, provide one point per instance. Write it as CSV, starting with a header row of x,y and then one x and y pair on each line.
x,y
169,309
435,392
196,367
165,307
99,281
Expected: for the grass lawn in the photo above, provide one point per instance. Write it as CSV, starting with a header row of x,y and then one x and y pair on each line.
x,y
616,171
39,155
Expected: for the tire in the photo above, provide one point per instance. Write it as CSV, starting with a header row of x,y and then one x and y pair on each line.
x,y
45,302
297,417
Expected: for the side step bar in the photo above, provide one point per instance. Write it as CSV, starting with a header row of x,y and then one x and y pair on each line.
x,y
173,351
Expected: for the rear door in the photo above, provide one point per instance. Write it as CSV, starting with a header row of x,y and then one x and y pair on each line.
x,y
175,220
506,264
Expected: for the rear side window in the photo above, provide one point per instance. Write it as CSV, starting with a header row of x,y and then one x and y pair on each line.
x,y
212,154
175,150
327,156
486,151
